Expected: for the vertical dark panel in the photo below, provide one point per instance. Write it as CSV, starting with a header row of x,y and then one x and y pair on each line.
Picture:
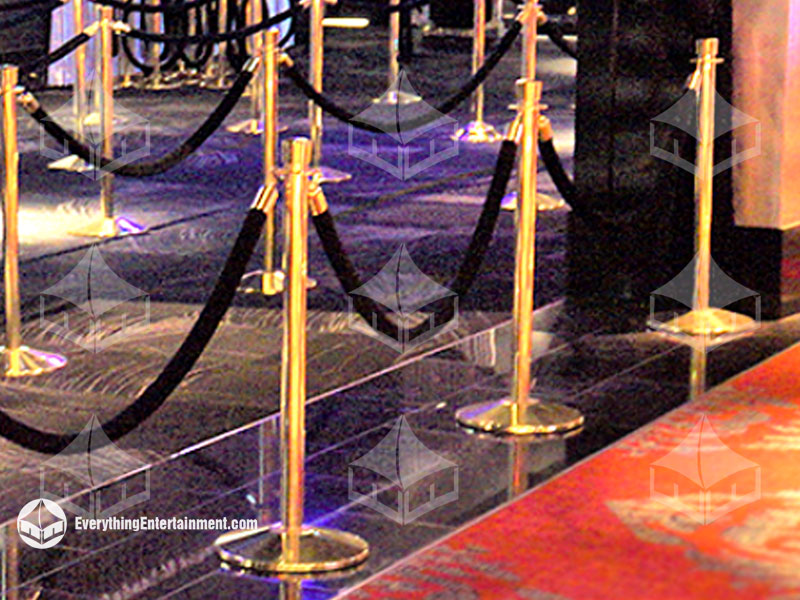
x,y
631,228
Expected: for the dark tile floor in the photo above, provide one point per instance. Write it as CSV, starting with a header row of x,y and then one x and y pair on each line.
x,y
619,381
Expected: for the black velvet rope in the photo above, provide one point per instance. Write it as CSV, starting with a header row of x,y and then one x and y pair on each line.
x,y
145,8
552,163
556,35
163,163
210,37
62,51
154,396
375,314
446,107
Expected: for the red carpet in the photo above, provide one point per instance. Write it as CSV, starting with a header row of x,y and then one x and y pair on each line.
x,y
721,518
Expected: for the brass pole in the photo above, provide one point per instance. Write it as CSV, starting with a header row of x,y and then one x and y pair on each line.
x,y
272,279
478,131
222,47
18,359
316,44
704,170
293,381
107,117
155,51
80,72
252,125
703,320
316,49
394,43
478,52
11,212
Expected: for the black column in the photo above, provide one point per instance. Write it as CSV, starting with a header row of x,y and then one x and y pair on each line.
x,y
631,229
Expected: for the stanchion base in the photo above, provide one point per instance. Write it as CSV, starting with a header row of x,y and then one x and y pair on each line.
x,y
26,362
395,97
544,202
269,284
535,418
708,322
221,84
478,132
93,120
72,163
331,175
109,228
321,550
251,127
157,85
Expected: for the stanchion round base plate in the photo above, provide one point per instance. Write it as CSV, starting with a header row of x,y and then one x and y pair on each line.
x,y
268,284
544,202
71,163
25,362
478,132
321,550
160,84
331,175
535,418
109,228
93,120
251,127
708,322
395,97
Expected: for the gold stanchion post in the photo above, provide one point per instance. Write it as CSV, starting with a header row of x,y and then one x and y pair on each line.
x,y
73,162
291,546
217,74
533,16
252,126
704,320
270,278
395,95
520,414
108,225
478,131
18,360
316,44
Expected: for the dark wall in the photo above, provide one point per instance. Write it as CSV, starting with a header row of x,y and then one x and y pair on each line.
x,y
24,37
632,227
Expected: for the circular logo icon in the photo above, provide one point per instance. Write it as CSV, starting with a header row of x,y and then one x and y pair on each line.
x,y
41,523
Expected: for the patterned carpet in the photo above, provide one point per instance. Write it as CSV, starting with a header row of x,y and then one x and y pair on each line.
x,y
703,503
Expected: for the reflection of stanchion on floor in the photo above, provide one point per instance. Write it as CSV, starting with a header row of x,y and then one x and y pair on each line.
x,y
18,360
395,95
73,162
291,547
270,278
520,414
317,50
703,320
478,131
108,225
